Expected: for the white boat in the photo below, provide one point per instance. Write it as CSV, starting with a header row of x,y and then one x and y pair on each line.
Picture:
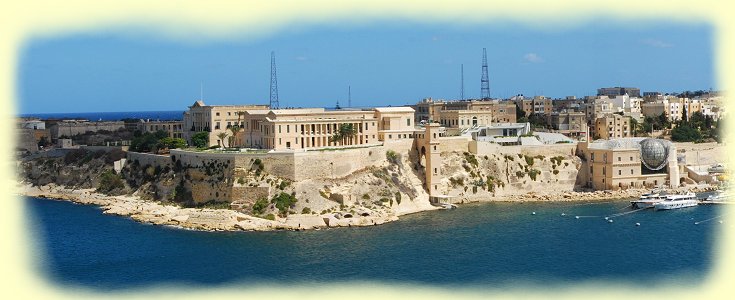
x,y
647,200
677,201
719,197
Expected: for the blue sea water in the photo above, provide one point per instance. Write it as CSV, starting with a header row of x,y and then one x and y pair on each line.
x,y
485,245
112,116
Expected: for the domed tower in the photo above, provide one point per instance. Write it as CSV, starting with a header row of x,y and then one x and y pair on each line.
x,y
657,154
654,154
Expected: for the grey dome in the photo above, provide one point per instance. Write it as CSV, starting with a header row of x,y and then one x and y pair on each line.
x,y
654,153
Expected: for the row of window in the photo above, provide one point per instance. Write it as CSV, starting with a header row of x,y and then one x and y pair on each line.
x,y
604,171
604,157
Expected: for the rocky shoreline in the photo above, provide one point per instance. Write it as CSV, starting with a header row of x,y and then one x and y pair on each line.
x,y
205,219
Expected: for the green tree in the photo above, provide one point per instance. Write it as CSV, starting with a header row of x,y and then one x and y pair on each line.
x,y
148,142
685,133
200,139
663,121
520,114
635,127
222,136
171,143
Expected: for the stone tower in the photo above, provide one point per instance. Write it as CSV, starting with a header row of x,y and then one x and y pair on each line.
x,y
433,159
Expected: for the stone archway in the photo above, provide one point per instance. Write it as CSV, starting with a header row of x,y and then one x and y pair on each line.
x,y
422,157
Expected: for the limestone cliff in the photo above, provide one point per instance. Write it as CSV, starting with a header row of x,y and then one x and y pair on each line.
x,y
393,185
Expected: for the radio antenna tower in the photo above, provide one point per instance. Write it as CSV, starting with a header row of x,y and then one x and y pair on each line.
x,y
349,96
274,83
461,88
485,81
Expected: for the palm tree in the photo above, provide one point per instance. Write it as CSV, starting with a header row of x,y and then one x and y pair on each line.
x,y
236,128
344,133
222,136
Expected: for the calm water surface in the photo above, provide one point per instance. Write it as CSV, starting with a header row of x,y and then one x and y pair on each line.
x,y
490,245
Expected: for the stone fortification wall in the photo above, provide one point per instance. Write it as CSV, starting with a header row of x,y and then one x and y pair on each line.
x,y
149,159
454,144
486,148
104,148
703,154
198,159
338,164
71,128
278,164
335,164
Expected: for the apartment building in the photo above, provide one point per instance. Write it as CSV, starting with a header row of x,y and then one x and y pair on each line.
x,y
537,105
610,126
569,123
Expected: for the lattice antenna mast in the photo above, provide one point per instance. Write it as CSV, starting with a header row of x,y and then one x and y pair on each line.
x,y
349,96
485,81
461,86
274,83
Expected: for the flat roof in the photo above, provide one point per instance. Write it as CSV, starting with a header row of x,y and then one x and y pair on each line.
x,y
395,109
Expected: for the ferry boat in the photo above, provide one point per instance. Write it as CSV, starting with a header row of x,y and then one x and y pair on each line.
x,y
647,200
677,201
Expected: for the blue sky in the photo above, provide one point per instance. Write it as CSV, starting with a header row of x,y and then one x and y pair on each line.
x,y
384,63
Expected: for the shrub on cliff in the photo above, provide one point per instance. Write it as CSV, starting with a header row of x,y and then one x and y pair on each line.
x,y
74,156
283,184
533,173
529,160
471,158
260,206
392,156
109,181
283,202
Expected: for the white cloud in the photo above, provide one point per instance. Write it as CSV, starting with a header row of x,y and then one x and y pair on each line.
x,y
656,43
532,58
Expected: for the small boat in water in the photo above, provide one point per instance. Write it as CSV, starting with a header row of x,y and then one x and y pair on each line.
x,y
647,200
677,201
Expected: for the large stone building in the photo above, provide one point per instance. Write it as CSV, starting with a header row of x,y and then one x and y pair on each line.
x,y
569,123
69,128
629,162
499,111
173,128
213,119
619,91
610,126
463,119
282,129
